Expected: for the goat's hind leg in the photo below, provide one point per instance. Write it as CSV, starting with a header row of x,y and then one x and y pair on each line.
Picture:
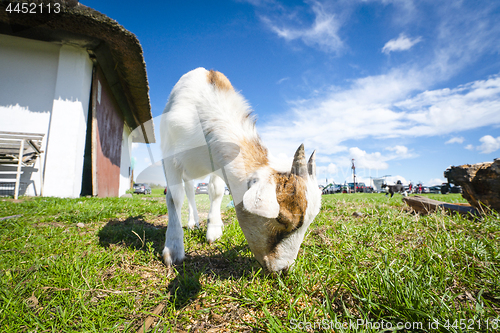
x,y
215,193
193,220
173,252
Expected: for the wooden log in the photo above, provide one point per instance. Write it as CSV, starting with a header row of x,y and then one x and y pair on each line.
x,y
480,183
425,205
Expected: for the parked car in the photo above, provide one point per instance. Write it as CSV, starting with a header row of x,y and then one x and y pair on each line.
x,y
436,189
226,191
201,188
449,188
142,188
328,189
332,188
360,188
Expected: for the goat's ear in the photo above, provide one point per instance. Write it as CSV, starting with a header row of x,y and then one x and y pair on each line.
x,y
260,199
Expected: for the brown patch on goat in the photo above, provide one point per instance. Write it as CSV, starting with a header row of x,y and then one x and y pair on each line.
x,y
254,154
219,81
291,195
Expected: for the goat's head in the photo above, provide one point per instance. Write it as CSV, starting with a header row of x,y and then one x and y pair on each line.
x,y
277,209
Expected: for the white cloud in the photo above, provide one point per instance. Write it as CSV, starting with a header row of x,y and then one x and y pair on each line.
x,y
365,163
469,147
377,107
332,168
455,139
280,81
364,160
322,33
400,152
153,174
362,110
394,179
489,144
375,160
469,106
435,181
402,43
281,161
400,102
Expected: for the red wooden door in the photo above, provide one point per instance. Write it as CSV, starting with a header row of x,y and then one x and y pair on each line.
x,y
107,136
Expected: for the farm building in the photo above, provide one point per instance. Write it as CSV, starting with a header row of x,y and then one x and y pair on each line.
x,y
74,86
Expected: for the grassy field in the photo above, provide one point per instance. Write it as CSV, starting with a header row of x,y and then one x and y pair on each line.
x,y
366,265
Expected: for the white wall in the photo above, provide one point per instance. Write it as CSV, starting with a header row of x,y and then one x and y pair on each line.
x,y
28,72
125,162
68,124
45,88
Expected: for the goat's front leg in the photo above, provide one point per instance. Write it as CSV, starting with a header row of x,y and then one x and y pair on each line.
x,y
215,193
173,252
193,220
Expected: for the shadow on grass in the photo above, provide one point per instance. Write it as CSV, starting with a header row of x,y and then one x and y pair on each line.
x,y
216,263
133,232
219,261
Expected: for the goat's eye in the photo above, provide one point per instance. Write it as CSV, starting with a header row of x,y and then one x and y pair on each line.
x,y
252,181
281,220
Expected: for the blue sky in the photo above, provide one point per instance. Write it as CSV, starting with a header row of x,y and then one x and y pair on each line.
x,y
406,88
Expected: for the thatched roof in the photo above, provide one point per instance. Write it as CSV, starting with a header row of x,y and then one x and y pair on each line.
x,y
116,49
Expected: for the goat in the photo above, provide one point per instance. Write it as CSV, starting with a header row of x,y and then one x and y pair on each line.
x,y
207,128
398,188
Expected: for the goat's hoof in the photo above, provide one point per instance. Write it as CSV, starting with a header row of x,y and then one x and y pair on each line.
x,y
213,233
192,226
170,258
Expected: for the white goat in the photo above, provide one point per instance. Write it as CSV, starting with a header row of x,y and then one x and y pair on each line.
x,y
206,128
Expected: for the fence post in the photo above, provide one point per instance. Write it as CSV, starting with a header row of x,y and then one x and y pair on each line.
x,y
18,173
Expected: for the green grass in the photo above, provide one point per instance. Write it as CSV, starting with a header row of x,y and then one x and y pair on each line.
x,y
93,265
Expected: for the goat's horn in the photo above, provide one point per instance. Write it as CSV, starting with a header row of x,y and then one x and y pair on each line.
x,y
311,165
299,165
